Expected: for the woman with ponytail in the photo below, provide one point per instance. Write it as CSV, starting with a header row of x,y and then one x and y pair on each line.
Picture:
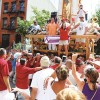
x,y
90,88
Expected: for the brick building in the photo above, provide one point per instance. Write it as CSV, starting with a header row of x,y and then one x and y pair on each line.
x,y
11,9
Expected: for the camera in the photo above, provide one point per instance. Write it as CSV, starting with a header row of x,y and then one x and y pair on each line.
x,y
64,58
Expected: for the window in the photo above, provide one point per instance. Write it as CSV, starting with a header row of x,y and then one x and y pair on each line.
x,y
21,6
12,23
5,7
21,0
13,8
4,23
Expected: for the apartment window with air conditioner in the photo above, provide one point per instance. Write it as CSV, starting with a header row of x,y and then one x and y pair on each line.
x,y
4,23
6,7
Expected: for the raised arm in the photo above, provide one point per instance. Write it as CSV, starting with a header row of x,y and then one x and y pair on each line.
x,y
75,26
80,83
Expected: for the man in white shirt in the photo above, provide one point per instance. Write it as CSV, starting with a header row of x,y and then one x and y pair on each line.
x,y
81,29
81,11
38,81
93,26
37,26
34,28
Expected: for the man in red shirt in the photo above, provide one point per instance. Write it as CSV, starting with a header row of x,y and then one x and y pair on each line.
x,y
36,61
4,75
22,81
57,63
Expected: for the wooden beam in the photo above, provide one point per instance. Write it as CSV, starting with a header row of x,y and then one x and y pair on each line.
x,y
87,37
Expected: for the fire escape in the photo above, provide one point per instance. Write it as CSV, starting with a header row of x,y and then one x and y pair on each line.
x,y
13,13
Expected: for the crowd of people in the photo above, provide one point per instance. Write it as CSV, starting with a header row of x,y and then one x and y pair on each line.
x,y
64,28
47,77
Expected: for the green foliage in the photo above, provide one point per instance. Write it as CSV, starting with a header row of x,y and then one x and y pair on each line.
x,y
98,16
97,48
18,46
23,25
41,16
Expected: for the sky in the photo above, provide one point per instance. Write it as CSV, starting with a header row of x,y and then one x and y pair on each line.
x,y
91,7
55,2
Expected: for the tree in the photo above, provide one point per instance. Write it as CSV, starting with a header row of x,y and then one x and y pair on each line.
x,y
23,25
98,16
41,16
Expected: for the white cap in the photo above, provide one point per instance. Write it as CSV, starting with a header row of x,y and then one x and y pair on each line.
x,y
45,62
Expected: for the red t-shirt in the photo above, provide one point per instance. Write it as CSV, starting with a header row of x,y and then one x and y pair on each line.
x,y
37,62
64,33
22,73
54,66
4,71
28,64
9,65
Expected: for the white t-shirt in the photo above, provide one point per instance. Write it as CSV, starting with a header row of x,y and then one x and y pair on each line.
x,y
93,29
17,54
38,82
81,28
37,27
50,95
81,13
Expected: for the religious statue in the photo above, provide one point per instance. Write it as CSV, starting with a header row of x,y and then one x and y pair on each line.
x,y
66,9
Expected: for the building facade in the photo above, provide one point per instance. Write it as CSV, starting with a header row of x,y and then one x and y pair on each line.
x,y
0,15
0,7
11,9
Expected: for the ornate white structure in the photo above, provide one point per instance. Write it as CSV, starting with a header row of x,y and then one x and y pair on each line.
x,y
68,7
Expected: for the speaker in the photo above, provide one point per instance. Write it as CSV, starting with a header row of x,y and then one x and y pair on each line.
x,y
54,15
86,16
